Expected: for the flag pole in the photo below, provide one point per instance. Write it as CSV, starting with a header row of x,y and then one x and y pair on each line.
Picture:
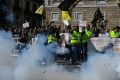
x,y
43,16
42,21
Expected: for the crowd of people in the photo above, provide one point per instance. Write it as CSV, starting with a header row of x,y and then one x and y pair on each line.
x,y
75,38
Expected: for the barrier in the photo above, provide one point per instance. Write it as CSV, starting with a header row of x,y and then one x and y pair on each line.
x,y
16,42
19,46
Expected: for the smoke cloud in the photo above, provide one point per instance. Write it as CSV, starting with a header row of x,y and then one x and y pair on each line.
x,y
100,67
37,63
6,60
7,14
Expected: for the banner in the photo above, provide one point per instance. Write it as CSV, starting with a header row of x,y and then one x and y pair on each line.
x,y
66,17
97,16
101,43
83,23
25,25
66,4
40,10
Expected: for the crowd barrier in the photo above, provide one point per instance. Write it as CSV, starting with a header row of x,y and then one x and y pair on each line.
x,y
18,46
16,42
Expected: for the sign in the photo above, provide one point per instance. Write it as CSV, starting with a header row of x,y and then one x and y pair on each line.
x,y
66,22
101,43
83,23
25,25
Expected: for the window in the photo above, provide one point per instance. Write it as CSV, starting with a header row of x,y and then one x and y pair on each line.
x,y
55,1
82,1
78,16
101,1
55,16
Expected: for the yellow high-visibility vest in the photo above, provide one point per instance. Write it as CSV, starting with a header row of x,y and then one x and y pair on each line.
x,y
113,34
52,38
75,37
89,32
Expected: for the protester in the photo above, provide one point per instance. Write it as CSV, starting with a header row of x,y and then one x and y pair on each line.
x,y
74,41
70,37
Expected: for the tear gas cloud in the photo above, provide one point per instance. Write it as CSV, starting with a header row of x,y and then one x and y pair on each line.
x,y
7,14
37,63
6,60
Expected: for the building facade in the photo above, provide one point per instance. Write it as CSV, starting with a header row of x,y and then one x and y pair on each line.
x,y
85,11
25,10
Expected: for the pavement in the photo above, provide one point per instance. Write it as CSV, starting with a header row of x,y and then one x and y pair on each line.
x,y
68,64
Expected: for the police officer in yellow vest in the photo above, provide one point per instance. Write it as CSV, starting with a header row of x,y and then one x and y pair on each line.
x,y
75,41
84,37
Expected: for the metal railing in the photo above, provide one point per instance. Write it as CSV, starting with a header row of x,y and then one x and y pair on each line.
x,y
18,46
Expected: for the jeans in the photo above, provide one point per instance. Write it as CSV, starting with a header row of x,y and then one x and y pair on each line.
x,y
68,56
83,51
75,51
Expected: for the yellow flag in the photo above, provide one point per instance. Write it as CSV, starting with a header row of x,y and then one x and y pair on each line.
x,y
40,10
66,15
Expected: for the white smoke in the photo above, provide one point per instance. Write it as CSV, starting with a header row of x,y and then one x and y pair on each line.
x,y
101,67
9,14
6,60
37,63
